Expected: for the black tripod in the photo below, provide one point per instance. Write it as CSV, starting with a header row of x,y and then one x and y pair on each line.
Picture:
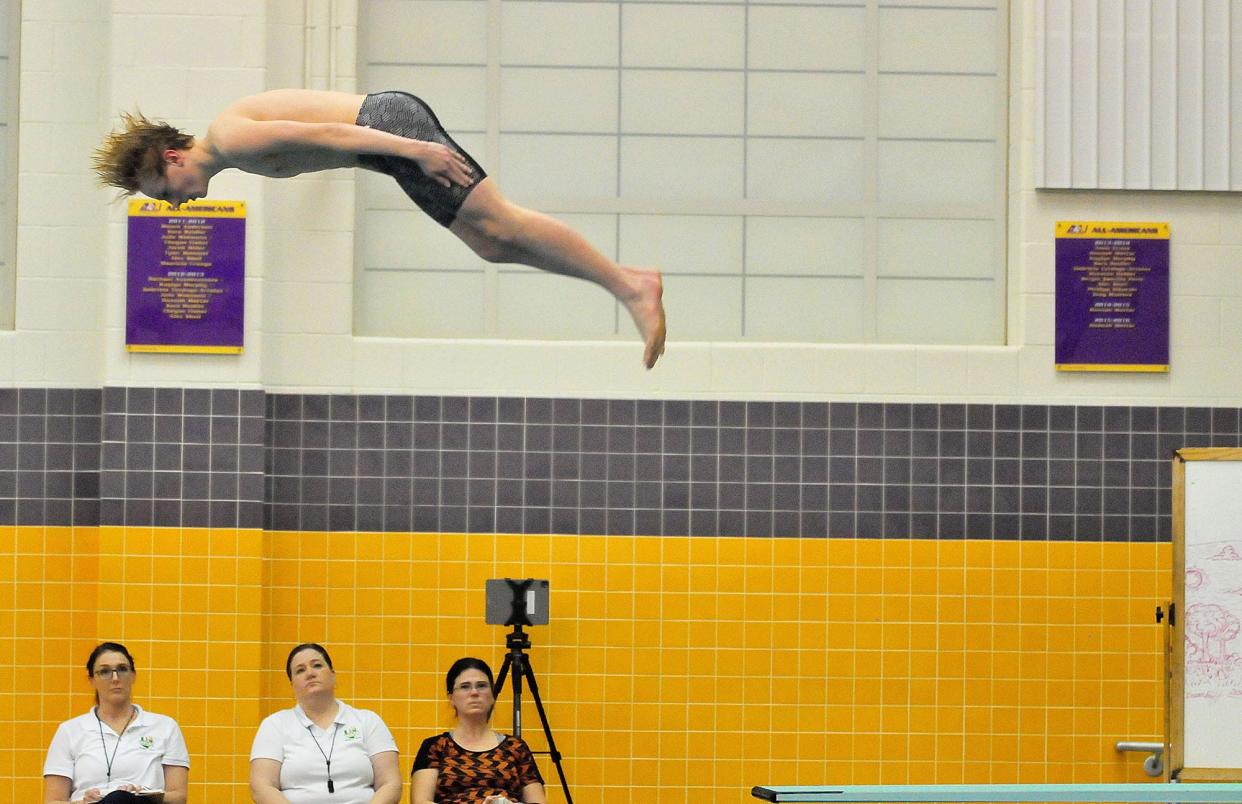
x,y
518,642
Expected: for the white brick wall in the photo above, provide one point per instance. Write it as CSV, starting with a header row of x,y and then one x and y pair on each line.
x,y
183,64
59,298
300,331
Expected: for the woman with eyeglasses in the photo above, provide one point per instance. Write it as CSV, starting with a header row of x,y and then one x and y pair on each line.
x,y
473,764
322,750
117,752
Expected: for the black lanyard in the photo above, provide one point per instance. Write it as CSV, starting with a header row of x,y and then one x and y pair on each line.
x,y
327,758
108,760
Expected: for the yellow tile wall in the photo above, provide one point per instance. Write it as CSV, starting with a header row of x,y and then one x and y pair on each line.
x,y
675,669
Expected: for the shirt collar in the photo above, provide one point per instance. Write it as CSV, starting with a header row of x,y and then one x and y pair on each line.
x,y
141,718
341,714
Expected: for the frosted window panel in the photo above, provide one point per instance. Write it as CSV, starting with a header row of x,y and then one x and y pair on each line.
x,y
458,95
938,311
727,107
535,166
939,248
681,168
703,244
407,240
543,305
982,4
548,99
599,230
378,191
704,307
804,309
938,172
658,35
806,38
820,246
938,106
805,171
938,40
426,31
659,102
416,304
476,143
535,33
805,105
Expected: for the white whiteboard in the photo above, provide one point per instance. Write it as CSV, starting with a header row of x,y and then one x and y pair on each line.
x,y
1211,616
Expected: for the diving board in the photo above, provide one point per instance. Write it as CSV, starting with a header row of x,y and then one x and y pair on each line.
x,y
1214,792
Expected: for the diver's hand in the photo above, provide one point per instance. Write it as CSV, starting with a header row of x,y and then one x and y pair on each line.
x,y
443,164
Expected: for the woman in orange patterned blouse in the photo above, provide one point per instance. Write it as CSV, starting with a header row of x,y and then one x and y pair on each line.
x,y
473,764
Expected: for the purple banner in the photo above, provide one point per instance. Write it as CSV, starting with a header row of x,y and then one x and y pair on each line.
x,y
186,277
1112,296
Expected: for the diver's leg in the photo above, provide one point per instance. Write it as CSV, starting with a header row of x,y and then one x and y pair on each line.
x,y
499,230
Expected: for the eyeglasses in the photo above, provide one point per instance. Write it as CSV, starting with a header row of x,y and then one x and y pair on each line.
x,y
478,686
121,672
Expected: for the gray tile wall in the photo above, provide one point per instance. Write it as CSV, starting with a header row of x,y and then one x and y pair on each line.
x,y
191,457
243,458
49,456
728,468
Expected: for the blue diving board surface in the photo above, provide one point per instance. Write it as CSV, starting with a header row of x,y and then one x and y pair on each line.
x,y
1141,792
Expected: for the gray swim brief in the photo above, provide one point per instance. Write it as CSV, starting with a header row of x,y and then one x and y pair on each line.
x,y
405,115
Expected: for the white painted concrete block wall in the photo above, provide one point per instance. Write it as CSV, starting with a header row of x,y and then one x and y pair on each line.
x,y
83,60
61,247
183,64
307,317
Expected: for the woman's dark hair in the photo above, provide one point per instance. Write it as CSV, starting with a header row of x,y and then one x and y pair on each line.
x,y
462,665
101,649
105,647
307,646
468,663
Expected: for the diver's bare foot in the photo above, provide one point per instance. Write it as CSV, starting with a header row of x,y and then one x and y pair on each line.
x,y
646,306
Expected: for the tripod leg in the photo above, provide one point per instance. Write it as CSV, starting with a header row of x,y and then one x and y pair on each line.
x,y
519,661
547,729
500,678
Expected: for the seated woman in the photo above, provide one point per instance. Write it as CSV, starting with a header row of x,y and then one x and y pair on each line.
x,y
473,764
117,749
322,750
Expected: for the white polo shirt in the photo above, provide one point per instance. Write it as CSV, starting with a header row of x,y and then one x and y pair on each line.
x,y
149,743
289,737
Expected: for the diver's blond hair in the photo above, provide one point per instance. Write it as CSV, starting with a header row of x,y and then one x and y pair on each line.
x,y
128,156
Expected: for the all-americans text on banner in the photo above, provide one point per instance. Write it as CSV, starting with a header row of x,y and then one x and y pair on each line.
x,y
186,277
1112,287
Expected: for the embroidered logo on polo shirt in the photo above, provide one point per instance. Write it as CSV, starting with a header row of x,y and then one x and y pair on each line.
x,y
350,732
146,741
